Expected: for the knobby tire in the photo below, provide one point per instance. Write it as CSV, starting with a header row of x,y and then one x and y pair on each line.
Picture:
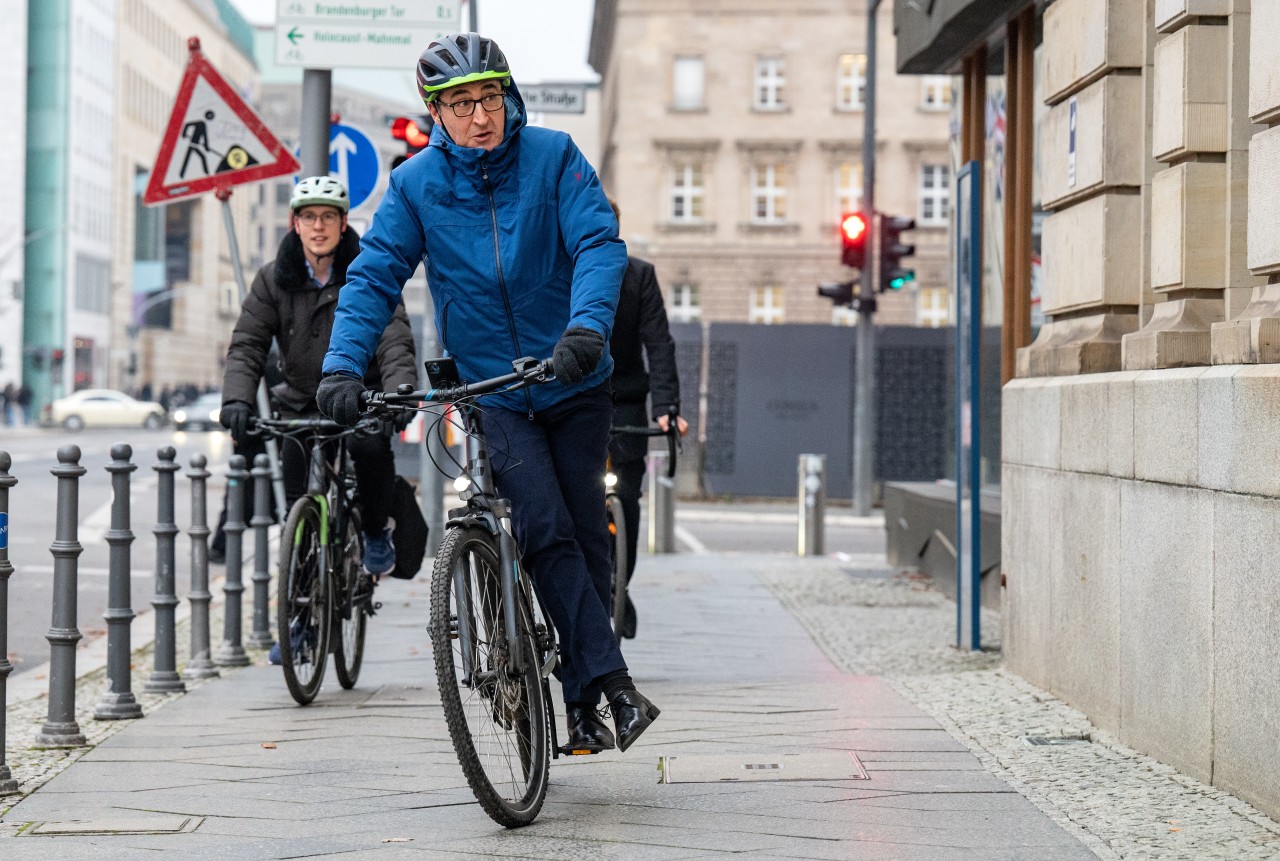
x,y
303,611
352,608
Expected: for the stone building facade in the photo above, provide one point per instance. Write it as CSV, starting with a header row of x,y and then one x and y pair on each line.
x,y
732,143
1139,490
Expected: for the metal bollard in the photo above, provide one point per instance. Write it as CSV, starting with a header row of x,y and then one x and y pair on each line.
x,y
118,701
260,637
812,497
61,729
231,652
662,509
8,786
200,665
164,674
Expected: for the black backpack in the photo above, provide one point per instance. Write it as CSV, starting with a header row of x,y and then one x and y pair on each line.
x,y
410,534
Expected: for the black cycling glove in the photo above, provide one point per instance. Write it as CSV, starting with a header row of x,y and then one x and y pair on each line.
x,y
576,354
403,419
234,416
338,397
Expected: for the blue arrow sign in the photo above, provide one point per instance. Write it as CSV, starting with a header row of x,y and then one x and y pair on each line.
x,y
354,160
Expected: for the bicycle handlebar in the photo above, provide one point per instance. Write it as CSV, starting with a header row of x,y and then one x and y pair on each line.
x,y
291,426
526,371
672,433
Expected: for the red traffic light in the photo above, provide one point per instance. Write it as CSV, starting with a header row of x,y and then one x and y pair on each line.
x,y
414,132
853,240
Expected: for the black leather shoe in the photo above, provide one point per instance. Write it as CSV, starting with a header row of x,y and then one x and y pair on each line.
x,y
632,714
586,730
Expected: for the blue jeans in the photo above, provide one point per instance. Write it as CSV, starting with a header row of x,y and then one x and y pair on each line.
x,y
552,470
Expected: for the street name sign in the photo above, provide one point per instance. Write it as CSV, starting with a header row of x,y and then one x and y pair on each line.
x,y
555,98
360,34
214,140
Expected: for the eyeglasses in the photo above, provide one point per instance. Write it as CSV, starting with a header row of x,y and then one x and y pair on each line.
x,y
467,107
328,219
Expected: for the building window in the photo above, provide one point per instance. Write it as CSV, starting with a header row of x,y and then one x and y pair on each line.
x,y
935,194
770,83
766,306
284,191
687,82
685,305
851,82
934,308
848,188
769,194
686,193
935,93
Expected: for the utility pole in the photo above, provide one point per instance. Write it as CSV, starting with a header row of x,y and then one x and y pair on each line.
x,y
864,387
474,20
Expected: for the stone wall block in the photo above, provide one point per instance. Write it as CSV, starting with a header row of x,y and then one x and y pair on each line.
x,y
1120,427
1166,407
1085,408
1166,602
1218,430
1030,426
1086,39
1030,498
1172,14
1091,254
1188,221
1246,631
1264,202
1189,112
1239,446
1264,62
1108,120
1085,600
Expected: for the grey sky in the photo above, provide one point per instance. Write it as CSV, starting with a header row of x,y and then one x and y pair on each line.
x,y
544,40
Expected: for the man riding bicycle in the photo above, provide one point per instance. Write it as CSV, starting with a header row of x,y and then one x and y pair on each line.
x,y
292,301
523,258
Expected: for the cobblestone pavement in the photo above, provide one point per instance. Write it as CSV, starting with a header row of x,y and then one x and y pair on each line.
x,y
1120,803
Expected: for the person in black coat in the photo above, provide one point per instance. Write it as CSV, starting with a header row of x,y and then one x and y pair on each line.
x,y
644,368
292,301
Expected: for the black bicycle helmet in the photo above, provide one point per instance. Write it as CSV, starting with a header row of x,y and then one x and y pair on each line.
x,y
460,58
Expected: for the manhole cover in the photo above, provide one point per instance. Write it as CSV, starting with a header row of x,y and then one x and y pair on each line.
x,y
1054,740
719,768
141,825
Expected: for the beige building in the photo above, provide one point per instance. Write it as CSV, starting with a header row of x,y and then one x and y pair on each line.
x,y
732,141
175,299
1141,435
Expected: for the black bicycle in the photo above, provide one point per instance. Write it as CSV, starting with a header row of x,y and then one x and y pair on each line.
x,y
620,555
322,583
494,648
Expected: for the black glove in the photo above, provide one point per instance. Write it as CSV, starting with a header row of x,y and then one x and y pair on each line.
x,y
338,397
234,416
576,354
403,419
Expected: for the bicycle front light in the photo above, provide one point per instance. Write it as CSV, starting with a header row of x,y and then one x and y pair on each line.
x,y
461,483
610,480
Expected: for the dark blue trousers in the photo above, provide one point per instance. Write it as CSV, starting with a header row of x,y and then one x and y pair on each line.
x,y
551,467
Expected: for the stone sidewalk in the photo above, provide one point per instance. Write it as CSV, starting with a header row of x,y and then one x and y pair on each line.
x,y
804,668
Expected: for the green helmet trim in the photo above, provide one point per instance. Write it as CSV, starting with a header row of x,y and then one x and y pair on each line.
x,y
434,92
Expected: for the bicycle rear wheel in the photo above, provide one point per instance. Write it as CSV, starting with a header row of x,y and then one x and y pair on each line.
x,y
303,605
496,713
618,557
353,606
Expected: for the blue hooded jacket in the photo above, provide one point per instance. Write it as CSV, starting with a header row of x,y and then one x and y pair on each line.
x,y
520,244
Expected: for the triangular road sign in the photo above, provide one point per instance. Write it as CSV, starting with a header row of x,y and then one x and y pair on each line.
x,y
214,140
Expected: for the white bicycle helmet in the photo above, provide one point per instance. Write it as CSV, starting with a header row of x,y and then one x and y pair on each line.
x,y
320,191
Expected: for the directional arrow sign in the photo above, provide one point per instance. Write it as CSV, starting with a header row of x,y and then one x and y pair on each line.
x,y
368,34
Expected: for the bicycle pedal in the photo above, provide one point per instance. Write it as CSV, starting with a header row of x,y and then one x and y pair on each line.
x,y
565,750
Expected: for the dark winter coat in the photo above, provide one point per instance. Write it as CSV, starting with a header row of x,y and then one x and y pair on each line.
x,y
640,333
519,245
284,304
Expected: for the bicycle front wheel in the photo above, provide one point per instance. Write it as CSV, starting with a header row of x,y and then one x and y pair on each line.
x,y
303,612
495,709
353,606
618,556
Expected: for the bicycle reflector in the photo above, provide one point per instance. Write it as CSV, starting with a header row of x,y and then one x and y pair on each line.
x,y
853,240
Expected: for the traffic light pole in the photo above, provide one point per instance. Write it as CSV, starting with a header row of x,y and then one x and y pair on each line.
x,y
317,90
864,385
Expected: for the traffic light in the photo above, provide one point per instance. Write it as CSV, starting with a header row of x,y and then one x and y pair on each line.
x,y
892,249
853,240
849,294
416,134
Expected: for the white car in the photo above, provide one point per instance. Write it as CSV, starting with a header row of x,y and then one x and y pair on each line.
x,y
103,408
